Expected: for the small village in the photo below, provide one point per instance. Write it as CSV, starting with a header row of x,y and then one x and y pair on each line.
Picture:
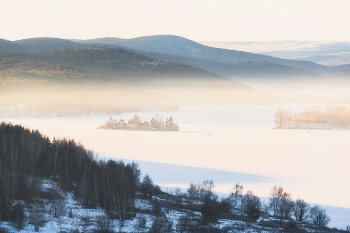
x,y
338,117
135,123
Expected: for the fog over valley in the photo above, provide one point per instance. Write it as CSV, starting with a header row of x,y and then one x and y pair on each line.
x,y
258,134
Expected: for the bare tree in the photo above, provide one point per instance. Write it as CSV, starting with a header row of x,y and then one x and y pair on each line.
x,y
251,206
210,204
36,216
177,192
236,195
193,191
281,117
318,216
58,206
206,189
286,205
300,210
159,118
121,184
275,197
281,203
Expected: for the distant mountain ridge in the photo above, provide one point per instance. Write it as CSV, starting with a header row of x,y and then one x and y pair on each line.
x,y
6,45
96,63
41,43
329,53
176,49
248,69
47,43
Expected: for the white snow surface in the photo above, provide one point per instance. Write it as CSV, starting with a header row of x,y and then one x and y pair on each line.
x,y
227,144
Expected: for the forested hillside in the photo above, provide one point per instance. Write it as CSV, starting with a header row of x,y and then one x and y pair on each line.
x,y
102,63
27,157
12,69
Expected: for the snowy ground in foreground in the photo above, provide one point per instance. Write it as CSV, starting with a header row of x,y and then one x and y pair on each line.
x,y
227,144
170,176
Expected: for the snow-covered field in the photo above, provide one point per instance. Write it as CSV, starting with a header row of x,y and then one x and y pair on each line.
x,y
227,144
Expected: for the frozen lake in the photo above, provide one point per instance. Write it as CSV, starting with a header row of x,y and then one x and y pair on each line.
x,y
227,144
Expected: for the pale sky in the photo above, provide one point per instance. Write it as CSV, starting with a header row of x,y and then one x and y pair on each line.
x,y
199,20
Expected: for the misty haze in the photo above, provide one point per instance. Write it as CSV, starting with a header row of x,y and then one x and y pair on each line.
x,y
166,134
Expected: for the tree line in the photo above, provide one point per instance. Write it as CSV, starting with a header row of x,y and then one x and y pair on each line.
x,y
281,211
280,205
26,157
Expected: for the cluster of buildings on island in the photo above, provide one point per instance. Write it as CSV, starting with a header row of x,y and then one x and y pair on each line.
x,y
135,123
309,119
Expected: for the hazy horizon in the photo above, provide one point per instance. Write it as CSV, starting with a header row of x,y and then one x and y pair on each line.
x,y
200,41
251,20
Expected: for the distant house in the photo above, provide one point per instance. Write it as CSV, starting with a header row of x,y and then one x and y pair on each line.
x,y
111,123
170,125
311,117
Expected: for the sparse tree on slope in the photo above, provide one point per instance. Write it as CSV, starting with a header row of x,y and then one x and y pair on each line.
x,y
236,195
318,216
300,210
210,208
281,203
275,198
147,187
286,205
251,205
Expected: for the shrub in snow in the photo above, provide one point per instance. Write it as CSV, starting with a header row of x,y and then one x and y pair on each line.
x,y
104,225
3,230
161,224
141,223
186,223
17,216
